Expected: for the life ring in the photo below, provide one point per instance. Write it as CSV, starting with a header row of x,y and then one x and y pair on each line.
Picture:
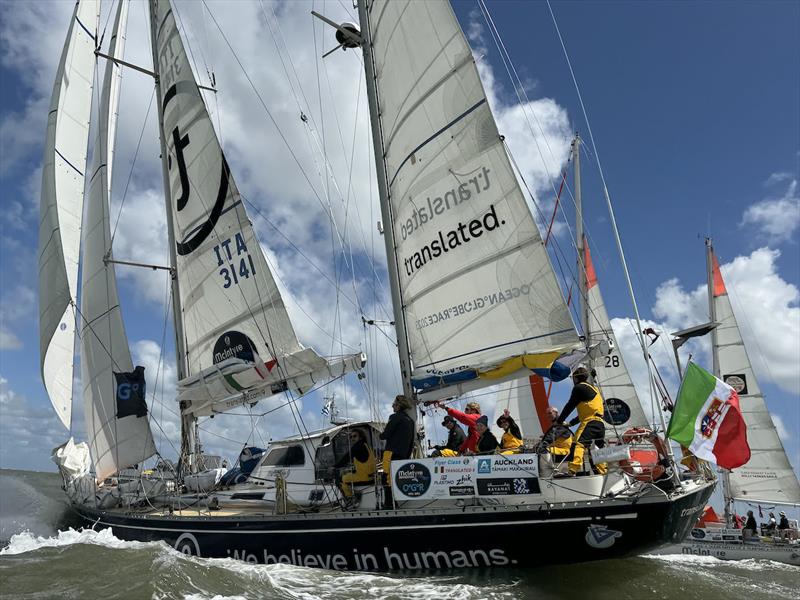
x,y
645,464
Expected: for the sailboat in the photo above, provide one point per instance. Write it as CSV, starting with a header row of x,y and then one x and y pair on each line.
x,y
767,478
475,300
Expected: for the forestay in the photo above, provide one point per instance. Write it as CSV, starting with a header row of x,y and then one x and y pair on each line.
x,y
61,206
238,337
113,397
768,476
623,409
479,293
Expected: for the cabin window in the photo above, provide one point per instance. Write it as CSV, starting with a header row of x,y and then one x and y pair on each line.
x,y
291,456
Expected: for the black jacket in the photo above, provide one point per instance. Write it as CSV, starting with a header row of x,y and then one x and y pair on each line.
x,y
751,523
784,523
455,439
487,443
399,435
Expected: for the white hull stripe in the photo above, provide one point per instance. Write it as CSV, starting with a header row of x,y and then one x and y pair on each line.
x,y
346,529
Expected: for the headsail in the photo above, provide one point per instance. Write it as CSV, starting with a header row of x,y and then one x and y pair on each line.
x,y
623,409
768,476
526,400
61,208
238,336
113,399
481,301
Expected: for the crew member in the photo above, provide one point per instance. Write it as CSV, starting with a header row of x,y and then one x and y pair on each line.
x,y
455,438
470,415
557,440
363,461
487,443
511,441
589,403
399,437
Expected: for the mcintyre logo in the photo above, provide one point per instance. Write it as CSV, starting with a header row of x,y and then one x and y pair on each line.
x,y
413,479
600,536
484,465
234,344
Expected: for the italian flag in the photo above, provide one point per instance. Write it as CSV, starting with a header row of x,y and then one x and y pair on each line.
x,y
708,421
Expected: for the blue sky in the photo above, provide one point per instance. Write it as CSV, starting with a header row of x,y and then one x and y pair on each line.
x,y
693,106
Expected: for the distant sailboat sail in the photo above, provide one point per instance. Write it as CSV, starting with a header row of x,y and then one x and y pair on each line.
x,y
61,208
768,476
480,298
113,397
238,338
623,409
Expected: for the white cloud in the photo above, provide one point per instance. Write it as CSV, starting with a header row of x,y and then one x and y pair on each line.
x,y
775,219
8,341
17,304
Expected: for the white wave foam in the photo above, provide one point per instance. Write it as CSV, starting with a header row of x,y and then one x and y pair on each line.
x,y
28,542
747,564
308,583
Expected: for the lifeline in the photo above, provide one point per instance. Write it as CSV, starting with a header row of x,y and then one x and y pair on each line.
x,y
450,240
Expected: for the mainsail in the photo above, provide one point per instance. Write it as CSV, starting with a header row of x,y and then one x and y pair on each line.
x,y
113,396
238,339
623,409
61,207
480,298
768,476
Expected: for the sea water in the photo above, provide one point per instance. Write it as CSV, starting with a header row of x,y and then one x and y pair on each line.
x,y
45,554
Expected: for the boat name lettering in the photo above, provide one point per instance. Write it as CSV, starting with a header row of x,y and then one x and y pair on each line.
x,y
430,208
367,561
234,264
444,242
474,304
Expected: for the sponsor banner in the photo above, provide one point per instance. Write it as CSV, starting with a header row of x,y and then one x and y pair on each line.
x,y
507,474
465,476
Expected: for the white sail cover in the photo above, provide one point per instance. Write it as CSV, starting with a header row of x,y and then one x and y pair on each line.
x,y
623,409
477,286
230,304
768,476
61,207
116,416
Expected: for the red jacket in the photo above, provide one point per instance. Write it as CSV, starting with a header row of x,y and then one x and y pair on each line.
x,y
471,443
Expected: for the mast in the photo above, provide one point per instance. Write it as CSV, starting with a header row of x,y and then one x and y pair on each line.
x,y
386,216
712,313
582,285
189,441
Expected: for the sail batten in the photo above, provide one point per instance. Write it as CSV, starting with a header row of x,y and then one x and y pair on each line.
x,y
61,207
477,287
768,476
113,391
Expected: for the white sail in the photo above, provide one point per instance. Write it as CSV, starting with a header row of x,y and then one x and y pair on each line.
x,y
623,409
116,416
61,207
478,290
768,476
231,307
519,397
